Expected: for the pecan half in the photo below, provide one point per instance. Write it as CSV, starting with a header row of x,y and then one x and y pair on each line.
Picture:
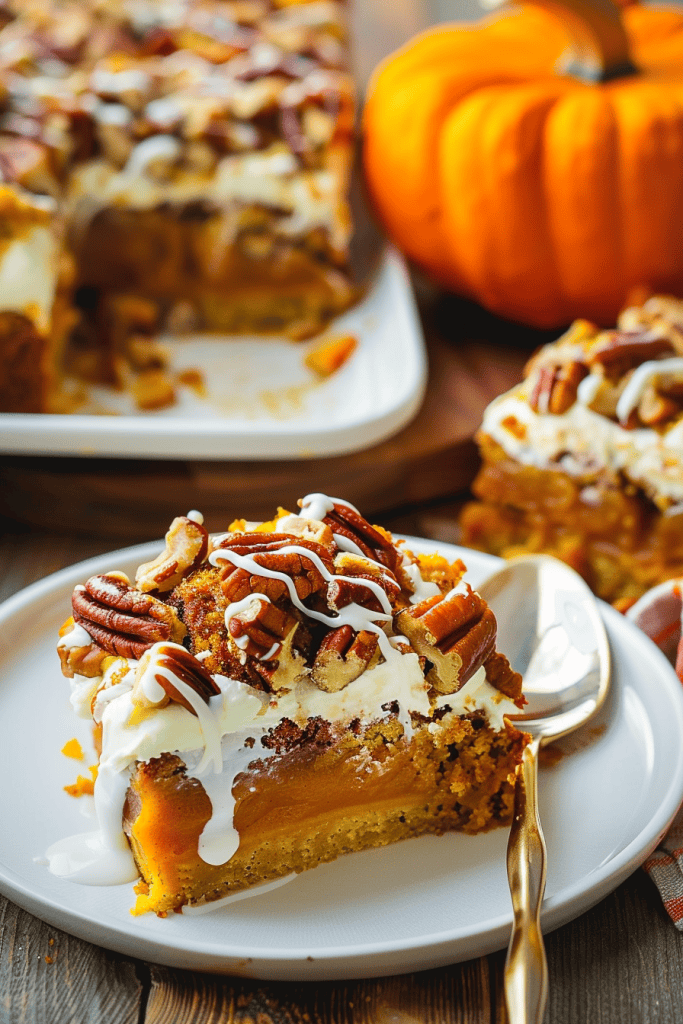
x,y
455,633
342,657
122,620
82,661
308,529
186,545
345,522
265,633
266,551
556,387
655,408
662,314
342,592
171,668
501,675
619,351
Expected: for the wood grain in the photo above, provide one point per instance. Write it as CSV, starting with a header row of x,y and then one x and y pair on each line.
x,y
453,995
620,962
48,977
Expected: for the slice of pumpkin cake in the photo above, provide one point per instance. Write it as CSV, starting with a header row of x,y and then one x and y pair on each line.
x,y
278,695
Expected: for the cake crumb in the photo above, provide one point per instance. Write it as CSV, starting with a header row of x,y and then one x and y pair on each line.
x,y
152,389
83,786
330,354
72,748
194,380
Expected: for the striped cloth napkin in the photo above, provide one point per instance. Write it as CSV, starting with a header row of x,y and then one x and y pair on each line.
x,y
660,614
665,868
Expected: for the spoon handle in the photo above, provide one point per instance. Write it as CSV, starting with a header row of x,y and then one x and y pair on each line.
x,y
526,967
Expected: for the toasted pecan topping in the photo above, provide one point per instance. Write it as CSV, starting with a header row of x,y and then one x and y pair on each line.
x,y
501,675
342,657
342,592
619,351
266,550
556,387
122,620
344,521
186,545
264,627
456,634
163,660
266,635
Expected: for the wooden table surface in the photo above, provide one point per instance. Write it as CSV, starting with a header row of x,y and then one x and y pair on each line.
x,y
620,962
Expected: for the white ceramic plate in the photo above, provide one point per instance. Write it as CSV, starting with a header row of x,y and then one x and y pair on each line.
x,y
418,904
262,402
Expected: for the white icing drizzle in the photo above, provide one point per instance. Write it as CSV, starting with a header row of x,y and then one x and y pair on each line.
x,y
642,376
113,113
195,516
78,636
588,388
346,544
354,615
422,589
109,693
317,506
115,83
208,718
220,839
102,857
244,605
157,147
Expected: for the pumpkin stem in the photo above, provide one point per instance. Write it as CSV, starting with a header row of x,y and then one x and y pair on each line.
x,y
600,48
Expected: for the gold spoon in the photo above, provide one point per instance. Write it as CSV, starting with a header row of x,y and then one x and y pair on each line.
x,y
550,628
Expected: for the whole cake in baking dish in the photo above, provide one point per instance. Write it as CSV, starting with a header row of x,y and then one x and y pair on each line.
x,y
270,698
178,166
584,459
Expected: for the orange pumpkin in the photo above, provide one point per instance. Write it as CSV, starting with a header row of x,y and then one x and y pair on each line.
x,y
541,196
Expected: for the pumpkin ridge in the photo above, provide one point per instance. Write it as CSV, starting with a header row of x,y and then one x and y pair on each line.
x,y
502,128
585,210
651,179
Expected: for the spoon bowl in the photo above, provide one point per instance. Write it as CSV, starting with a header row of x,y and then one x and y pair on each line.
x,y
549,626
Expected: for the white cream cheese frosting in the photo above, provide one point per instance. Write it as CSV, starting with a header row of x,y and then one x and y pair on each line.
x,y
585,444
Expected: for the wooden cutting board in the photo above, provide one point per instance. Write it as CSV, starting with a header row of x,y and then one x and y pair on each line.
x,y
431,459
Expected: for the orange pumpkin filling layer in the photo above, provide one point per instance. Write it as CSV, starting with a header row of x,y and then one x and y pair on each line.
x,y
310,806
